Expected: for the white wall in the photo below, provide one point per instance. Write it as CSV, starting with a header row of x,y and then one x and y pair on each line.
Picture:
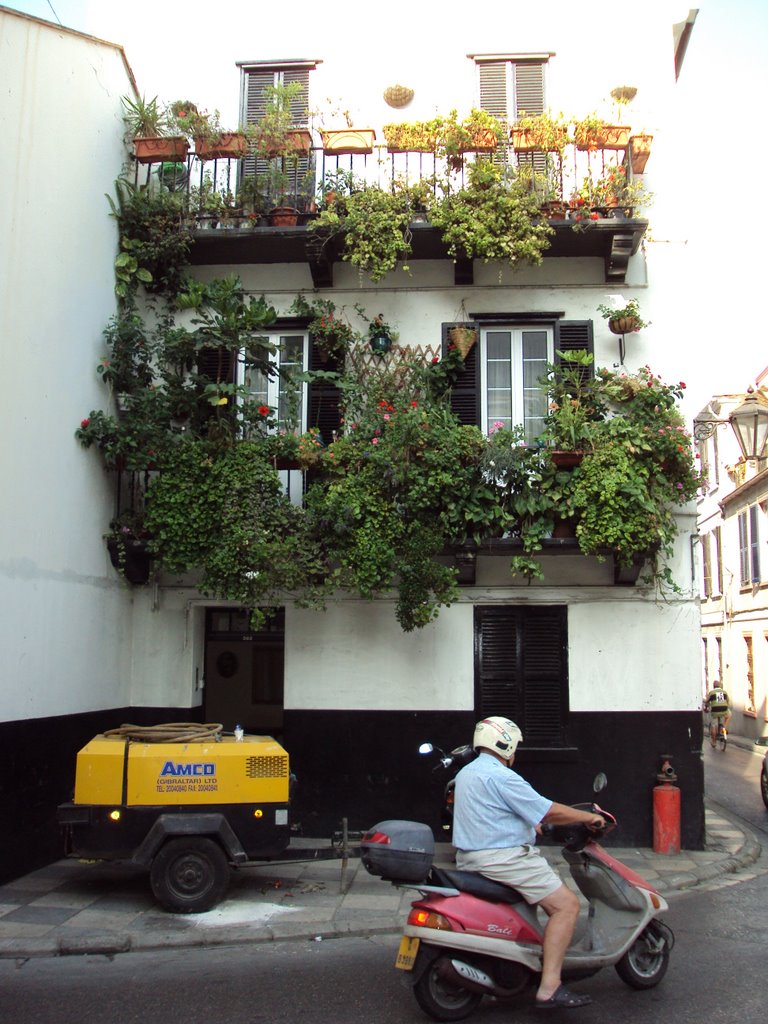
x,y
65,627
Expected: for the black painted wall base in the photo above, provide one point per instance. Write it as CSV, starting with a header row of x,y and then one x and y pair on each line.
x,y
365,766
37,766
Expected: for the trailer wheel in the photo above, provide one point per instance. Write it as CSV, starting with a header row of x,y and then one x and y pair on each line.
x,y
189,876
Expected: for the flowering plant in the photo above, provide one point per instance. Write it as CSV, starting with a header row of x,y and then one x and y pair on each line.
x,y
629,312
332,333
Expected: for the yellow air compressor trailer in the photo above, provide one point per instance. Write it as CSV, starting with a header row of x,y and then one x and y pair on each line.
x,y
187,802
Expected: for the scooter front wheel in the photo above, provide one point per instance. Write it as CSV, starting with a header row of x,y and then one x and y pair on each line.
x,y
441,999
646,961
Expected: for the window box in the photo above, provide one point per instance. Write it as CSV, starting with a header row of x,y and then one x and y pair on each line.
x,y
155,149
227,146
348,140
639,151
606,136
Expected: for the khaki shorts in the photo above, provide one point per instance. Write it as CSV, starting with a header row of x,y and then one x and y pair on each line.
x,y
521,867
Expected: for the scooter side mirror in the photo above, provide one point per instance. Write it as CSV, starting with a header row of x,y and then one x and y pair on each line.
x,y
600,782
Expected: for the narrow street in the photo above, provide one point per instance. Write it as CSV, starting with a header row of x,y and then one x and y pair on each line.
x,y
353,981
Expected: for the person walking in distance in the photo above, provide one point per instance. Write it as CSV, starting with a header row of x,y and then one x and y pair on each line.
x,y
496,818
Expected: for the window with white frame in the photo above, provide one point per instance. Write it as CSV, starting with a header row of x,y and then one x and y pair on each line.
x,y
289,402
749,549
514,360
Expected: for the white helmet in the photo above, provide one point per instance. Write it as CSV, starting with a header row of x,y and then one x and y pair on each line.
x,y
497,734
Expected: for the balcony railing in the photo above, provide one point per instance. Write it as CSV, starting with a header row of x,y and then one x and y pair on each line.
x,y
228,227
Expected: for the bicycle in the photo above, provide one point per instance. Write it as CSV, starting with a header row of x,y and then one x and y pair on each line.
x,y
721,736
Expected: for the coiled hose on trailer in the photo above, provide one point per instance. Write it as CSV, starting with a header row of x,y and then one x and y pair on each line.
x,y
170,732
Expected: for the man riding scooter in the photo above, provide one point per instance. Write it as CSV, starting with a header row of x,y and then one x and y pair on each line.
x,y
496,818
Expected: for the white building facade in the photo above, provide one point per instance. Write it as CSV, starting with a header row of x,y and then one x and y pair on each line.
x,y
348,693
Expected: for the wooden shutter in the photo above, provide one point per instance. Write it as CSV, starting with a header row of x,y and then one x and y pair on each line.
x,y
257,80
521,669
323,406
465,397
509,90
572,335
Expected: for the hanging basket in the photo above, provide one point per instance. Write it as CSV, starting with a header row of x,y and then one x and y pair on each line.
x,y
624,325
463,338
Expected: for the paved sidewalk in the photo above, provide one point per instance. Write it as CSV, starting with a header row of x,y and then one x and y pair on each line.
x,y
74,907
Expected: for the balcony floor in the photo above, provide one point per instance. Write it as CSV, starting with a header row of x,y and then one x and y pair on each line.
x,y
613,240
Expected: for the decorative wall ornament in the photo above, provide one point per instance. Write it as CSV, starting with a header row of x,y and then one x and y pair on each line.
x,y
398,95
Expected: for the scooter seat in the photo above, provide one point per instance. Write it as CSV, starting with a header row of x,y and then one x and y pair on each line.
x,y
475,884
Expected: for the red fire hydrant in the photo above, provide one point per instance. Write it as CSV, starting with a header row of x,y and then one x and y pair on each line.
x,y
666,810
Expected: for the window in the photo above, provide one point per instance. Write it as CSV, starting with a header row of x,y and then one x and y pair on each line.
x,y
499,379
256,79
290,402
749,550
514,360
521,669
750,700
706,558
513,85
718,581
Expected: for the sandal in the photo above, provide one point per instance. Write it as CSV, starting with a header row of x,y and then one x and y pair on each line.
x,y
562,999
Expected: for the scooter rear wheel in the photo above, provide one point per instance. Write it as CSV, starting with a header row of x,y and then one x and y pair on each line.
x,y
442,1000
646,961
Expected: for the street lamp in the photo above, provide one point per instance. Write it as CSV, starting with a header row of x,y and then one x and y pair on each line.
x,y
750,425
749,422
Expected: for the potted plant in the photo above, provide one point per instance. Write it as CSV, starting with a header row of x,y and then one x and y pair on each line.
x,y
494,217
127,544
348,140
275,135
542,133
211,141
332,334
480,132
380,335
573,407
374,224
593,132
148,125
623,319
413,136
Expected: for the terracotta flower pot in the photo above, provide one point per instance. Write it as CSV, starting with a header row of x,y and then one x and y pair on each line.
x,y
150,150
283,216
607,136
228,146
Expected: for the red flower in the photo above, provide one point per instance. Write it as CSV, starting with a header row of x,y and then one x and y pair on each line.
x,y
264,410
435,360
594,216
383,403
414,405
85,424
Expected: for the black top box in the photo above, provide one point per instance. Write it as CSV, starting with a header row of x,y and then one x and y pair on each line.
x,y
398,851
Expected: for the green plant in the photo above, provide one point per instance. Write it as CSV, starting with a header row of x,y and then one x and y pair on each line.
x,y
399,487
333,334
630,311
270,135
574,402
614,190
128,366
547,132
224,514
479,131
375,225
154,241
413,136
493,218
144,118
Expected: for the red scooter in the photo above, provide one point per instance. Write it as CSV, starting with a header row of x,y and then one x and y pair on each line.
x,y
467,936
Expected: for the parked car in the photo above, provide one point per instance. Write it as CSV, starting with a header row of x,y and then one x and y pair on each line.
x,y
764,779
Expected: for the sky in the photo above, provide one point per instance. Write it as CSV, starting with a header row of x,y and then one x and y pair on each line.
x,y
725,71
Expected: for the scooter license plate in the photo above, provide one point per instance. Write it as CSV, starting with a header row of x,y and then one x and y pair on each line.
x,y
406,954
